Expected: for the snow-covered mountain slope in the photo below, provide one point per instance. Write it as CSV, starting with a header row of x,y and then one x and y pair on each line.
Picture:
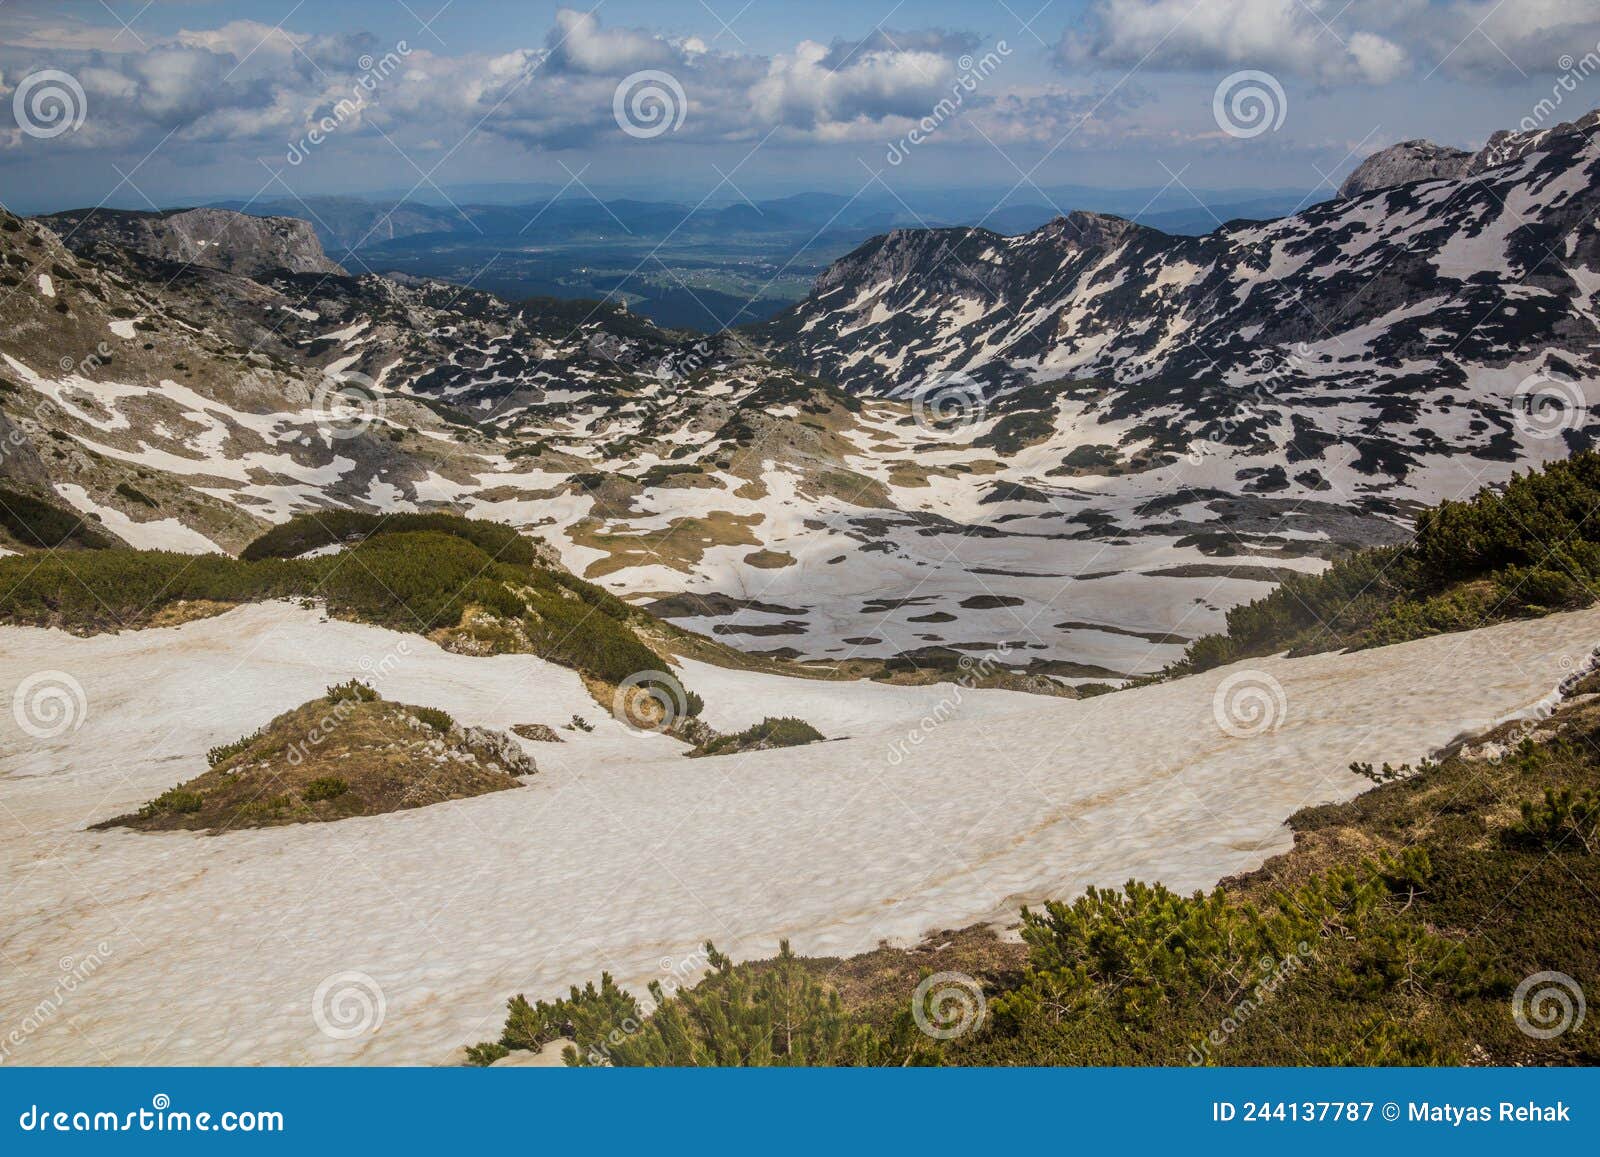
x,y
1399,322
1086,443
621,853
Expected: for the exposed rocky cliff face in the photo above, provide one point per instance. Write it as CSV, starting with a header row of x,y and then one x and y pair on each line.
x,y
215,238
1403,163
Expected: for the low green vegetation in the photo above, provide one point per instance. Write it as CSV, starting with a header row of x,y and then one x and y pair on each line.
x,y
345,753
435,718
1528,549
1398,931
34,522
133,494
440,579
321,528
784,731
779,1015
351,691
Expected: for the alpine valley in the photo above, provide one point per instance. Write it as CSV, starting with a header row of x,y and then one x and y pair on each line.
x,y
1086,442
379,642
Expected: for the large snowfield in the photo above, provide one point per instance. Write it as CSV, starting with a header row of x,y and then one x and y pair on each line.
x,y
930,807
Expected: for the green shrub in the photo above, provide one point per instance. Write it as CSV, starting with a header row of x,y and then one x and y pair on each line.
x,y
770,732
485,1054
174,799
1563,821
590,1016
34,522
134,494
351,691
324,787
773,1014
225,751
434,718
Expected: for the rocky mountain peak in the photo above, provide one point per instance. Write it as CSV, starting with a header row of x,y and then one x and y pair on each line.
x,y
1404,163
221,239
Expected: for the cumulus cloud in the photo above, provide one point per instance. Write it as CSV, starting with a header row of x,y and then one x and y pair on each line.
x,y
578,43
803,89
1284,35
266,87
1331,41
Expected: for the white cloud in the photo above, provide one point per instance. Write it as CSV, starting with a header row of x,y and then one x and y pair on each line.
x,y
577,43
802,90
1283,35
266,87
1334,42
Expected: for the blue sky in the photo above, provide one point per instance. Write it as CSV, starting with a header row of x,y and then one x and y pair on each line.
x,y
182,101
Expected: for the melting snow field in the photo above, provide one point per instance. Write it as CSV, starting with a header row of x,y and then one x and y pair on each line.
x,y
931,807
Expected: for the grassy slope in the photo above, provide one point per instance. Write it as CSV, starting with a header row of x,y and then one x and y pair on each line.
x,y
334,757
436,580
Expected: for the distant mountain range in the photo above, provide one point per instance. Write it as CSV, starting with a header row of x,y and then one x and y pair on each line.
x,y
1116,433
346,223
